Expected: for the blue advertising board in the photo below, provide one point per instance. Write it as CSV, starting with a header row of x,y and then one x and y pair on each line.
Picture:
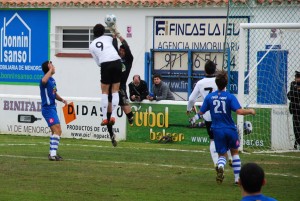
x,y
24,45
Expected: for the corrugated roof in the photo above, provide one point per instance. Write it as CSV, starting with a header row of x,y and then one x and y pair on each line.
x,y
126,3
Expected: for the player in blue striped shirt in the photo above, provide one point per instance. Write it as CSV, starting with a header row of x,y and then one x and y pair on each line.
x,y
49,94
220,104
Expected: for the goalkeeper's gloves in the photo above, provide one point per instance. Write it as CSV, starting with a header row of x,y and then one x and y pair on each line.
x,y
114,31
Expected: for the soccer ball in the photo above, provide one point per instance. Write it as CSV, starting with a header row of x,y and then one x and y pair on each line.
x,y
247,127
110,20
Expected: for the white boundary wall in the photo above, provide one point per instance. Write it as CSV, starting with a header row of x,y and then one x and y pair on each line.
x,y
86,124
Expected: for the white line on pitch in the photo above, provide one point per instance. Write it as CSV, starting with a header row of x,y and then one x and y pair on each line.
x,y
163,149
101,146
143,164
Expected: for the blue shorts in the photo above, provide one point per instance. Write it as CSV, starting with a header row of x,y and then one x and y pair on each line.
x,y
225,139
50,115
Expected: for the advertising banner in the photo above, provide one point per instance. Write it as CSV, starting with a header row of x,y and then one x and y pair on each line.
x,y
279,139
79,119
189,34
154,121
24,43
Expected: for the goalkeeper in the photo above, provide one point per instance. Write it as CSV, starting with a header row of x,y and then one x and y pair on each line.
x,y
127,60
294,97
202,89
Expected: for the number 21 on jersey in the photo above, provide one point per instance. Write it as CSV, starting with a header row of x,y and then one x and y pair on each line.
x,y
219,106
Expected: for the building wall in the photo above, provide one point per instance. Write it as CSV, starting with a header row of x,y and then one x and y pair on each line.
x,y
80,77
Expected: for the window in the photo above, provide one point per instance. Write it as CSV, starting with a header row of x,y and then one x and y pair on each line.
x,y
76,38
72,41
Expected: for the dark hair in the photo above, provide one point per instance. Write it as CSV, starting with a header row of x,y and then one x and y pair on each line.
x,y
297,74
98,30
136,76
221,80
122,47
157,75
210,67
252,177
45,67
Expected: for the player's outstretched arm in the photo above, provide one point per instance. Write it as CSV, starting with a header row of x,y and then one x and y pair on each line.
x,y
242,111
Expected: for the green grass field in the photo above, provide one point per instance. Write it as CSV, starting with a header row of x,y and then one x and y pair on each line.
x,y
94,170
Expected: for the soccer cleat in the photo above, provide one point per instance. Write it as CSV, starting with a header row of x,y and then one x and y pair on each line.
x,y
112,121
230,162
130,121
216,167
113,140
55,158
201,124
220,175
104,122
236,183
192,121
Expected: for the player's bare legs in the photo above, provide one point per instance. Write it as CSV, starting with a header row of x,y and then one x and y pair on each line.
x,y
56,129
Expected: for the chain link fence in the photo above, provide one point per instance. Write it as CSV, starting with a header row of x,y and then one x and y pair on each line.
x,y
271,57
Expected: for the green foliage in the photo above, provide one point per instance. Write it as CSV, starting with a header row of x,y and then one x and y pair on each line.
x,y
94,170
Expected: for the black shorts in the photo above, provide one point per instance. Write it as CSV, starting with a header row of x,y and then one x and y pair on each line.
x,y
111,72
209,131
123,98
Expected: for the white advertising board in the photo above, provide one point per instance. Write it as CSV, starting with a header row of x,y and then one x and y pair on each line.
x,y
189,32
80,120
280,137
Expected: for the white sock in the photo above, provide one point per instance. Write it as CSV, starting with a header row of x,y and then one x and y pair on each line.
x,y
54,142
213,152
115,103
197,116
104,104
236,165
